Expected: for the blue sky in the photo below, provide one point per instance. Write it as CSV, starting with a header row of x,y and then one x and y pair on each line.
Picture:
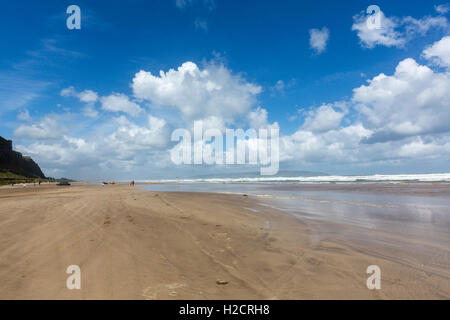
x,y
55,82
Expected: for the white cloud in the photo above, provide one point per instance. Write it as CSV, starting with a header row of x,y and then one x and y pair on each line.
x,y
422,26
386,35
394,31
64,155
118,145
198,93
69,92
413,101
258,119
211,122
418,148
127,147
439,52
24,115
130,138
90,111
47,128
324,118
118,102
87,96
318,39
401,117
396,117
442,8
341,145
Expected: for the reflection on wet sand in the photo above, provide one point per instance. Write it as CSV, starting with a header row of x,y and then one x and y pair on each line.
x,y
407,223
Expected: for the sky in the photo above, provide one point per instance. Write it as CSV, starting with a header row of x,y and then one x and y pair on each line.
x,y
101,102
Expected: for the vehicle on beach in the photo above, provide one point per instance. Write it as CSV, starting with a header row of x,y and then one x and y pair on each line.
x,y
63,183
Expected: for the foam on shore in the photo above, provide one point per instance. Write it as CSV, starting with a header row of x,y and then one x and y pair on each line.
x,y
440,177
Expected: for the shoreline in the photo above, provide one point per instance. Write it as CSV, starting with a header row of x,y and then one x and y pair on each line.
x,y
138,244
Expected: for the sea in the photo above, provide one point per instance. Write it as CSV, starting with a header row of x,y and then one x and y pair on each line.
x,y
410,212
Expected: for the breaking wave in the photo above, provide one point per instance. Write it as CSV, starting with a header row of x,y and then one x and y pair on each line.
x,y
441,177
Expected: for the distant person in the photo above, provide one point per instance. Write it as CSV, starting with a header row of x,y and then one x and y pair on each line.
x,y
132,183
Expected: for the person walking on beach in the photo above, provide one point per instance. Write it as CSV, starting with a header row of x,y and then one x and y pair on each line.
x,y
132,183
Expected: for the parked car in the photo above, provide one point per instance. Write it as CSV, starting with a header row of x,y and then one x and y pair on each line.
x,y
63,183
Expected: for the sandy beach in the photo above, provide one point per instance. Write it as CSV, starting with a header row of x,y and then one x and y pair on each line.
x,y
137,244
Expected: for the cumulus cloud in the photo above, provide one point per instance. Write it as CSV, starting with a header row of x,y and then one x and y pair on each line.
x,y
258,119
66,156
417,148
385,35
68,92
324,118
47,128
439,52
341,145
413,101
87,96
198,93
129,137
401,117
394,31
213,94
127,147
318,39
118,102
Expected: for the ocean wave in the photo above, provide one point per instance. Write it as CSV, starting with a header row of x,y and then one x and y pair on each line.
x,y
438,177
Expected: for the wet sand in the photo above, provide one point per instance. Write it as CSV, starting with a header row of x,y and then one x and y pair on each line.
x,y
136,244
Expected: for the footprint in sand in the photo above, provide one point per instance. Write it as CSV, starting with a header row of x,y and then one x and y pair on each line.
x,y
107,221
130,219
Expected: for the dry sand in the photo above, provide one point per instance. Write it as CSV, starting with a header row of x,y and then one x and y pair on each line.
x,y
135,244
